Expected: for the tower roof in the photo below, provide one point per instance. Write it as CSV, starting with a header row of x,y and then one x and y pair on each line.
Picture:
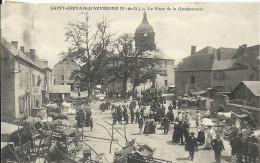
x,y
144,27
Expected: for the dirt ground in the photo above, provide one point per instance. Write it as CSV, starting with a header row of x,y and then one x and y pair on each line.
x,y
165,149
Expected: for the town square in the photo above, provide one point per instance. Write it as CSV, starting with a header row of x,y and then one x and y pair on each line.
x,y
130,83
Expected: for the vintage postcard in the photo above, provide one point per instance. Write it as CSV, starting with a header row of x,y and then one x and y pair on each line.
x,y
130,82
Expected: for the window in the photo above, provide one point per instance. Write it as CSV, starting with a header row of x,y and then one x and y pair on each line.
x,y
192,80
165,63
33,80
62,77
39,80
165,82
220,88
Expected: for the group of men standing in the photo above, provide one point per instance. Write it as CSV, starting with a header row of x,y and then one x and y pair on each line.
x,y
246,149
84,119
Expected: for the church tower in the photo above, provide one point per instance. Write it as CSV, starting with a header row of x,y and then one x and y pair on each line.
x,y
144,36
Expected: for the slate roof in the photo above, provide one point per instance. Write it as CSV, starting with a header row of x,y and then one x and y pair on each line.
x,y
223,64
227,53
253,86
199,62
18,53
230,58
206,50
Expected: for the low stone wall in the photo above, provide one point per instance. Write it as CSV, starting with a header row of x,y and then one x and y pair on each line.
x,y
236,108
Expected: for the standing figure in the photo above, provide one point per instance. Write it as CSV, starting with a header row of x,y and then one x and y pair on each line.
x,y
132,116
180,132
179,104
218,146
170,107
126,118
166,125
201,135
197,118
210,136
91,123
124,112
114,117
80,118
87,119
191,145
186,132
253,150
239,146
232,143
174,104
137,115
141,124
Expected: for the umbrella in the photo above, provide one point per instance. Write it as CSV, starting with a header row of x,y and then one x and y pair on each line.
x,y
207,122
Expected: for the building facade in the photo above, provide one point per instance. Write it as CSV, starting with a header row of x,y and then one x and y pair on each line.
x,y
221,69
23,81
62,72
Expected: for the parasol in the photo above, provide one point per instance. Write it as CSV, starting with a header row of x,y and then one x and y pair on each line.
x,y
207,122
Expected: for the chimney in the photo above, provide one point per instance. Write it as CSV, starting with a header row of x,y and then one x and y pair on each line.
x,y
193,50
243,48
15,44
45,62
22,48
32,54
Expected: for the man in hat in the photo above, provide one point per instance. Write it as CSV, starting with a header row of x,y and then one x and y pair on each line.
x,y
191,145
218,146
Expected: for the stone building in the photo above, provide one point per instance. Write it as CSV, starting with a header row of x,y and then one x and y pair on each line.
x,y
62,72
24,81
221,69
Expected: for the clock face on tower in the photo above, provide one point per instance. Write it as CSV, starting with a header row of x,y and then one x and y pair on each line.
x,y
145,34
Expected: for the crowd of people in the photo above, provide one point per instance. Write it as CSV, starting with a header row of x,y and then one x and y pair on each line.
x,y
150,110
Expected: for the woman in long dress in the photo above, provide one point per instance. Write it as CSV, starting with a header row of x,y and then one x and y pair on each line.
x,y
209,137
201,134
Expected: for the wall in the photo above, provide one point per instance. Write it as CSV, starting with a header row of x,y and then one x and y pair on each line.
x,y
234,79
243,93
160,79
24,83
64,68
183,79
7,87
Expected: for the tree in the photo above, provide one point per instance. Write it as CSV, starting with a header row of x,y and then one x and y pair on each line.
x,y
90,46
128,61
145,69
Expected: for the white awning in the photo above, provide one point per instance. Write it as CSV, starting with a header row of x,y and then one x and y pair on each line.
x,y
60,89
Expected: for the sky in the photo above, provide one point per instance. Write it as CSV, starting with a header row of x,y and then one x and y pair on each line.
x,y
217,25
